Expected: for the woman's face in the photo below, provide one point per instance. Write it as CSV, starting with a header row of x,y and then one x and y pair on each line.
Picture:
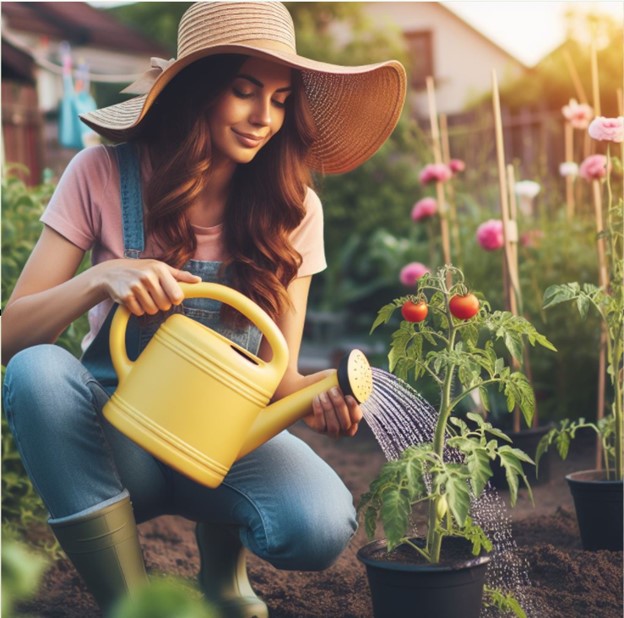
x,y
250,110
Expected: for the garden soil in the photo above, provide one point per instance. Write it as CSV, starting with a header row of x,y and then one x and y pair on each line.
x,y
565,581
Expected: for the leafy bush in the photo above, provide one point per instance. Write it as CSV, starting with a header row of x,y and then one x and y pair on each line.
x,y
21,574
21,208
163,598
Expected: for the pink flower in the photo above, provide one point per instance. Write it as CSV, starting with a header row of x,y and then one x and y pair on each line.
x,y
435,172
490,235
425,208
607,129
457,165
577,114
412,272
531,238
594,167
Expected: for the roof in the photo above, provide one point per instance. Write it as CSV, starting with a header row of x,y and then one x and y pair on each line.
x,y
79,24
466,24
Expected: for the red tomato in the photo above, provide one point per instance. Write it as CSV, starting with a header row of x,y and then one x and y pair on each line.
x,y
464,307
414,312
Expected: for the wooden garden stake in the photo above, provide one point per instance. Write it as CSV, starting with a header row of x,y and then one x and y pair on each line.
x,y
500,151
594,74
603,280
578,86
569,179
437,154
510,230
446,157
603,277
602,263
513,214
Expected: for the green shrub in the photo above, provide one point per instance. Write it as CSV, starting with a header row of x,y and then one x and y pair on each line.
x,y
22,207
164,598
22,571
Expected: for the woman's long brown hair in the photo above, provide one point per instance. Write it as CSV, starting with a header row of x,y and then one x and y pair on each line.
x,y
266,198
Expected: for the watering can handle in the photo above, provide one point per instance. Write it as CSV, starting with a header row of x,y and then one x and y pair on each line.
x,y
216,291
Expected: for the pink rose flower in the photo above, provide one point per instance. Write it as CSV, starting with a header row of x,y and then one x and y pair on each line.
x,y
594,167
577,114
490,235
435,172
412,272
427,207
457,165
607,129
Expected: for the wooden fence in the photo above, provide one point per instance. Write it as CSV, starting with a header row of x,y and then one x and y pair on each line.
x,y
533,140
22,125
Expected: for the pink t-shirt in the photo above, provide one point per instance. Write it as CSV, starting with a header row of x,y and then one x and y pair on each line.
x,y
86,210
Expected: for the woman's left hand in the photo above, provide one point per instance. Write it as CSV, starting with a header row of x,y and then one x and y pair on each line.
x,y
335,414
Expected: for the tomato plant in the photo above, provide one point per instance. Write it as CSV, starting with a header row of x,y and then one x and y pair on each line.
x,y
414,312
464,306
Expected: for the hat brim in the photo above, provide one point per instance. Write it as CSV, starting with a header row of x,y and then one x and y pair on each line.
x,y
355,109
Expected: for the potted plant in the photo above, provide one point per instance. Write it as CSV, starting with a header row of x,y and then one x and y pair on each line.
x,y
449,335
598,493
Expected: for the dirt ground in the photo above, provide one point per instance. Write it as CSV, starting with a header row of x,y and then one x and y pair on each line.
x,y
565,581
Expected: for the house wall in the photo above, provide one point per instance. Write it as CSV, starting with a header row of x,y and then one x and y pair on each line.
x,y
463,58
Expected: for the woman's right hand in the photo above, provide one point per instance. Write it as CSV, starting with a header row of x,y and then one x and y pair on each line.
x,y
144,286
48,295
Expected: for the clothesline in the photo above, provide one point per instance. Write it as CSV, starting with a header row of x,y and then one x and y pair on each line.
x,y
50,66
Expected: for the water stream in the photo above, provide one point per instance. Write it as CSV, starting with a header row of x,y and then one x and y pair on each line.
x,y
400,417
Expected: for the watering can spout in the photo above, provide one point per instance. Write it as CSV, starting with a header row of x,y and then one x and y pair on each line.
x,y
353,376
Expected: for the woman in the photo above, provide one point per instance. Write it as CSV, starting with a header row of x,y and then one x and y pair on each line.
x,y
209,181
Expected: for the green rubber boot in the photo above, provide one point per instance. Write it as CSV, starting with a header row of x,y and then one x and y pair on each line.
x,y
223,573
104,548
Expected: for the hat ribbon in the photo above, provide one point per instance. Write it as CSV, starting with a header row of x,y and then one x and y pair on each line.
x,y
144,84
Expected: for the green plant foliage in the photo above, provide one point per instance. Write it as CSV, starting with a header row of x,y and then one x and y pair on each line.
x,y
506,604
22,571
22,207
459,356
164,598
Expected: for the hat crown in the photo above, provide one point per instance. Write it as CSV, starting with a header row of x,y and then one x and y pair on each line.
x,y
207,24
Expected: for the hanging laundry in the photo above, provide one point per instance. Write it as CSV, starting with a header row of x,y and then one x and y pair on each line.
x,y
75,100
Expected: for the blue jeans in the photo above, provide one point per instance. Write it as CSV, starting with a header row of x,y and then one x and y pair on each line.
x,y
291,507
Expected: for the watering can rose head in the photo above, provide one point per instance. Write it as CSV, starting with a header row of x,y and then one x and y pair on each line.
x,y
453,345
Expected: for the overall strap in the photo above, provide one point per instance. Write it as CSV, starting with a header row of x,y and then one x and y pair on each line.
x,y
131,199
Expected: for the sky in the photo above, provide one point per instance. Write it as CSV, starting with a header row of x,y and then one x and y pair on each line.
x,y
528,29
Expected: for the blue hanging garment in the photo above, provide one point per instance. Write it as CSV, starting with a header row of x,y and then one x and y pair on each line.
x,y
75,101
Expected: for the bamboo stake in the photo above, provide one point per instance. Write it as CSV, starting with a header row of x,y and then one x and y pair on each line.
x,y
578,86
603,278
446,157
437,154
594,74
513,212
569,180
511,292
503,191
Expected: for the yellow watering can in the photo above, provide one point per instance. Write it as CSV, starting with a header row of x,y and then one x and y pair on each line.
x,y
198,401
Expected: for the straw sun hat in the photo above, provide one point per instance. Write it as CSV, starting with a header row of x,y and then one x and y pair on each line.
x,y
354,108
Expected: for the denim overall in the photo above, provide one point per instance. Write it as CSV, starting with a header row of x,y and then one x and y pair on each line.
x,y
291,507
140,330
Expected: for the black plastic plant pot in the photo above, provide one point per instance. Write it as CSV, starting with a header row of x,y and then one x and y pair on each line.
x,y
598,504
401,589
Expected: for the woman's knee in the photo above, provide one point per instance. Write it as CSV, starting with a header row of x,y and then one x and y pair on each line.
x,y
311,535
41,384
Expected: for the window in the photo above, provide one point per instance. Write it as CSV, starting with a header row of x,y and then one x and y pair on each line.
x,y
420,50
